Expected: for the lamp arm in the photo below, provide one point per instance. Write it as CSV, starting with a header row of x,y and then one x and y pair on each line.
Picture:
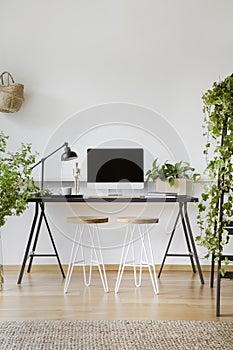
x,y
64,145
35,165
44,159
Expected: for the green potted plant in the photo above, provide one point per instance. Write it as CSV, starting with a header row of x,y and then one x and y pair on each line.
x,y
218,124
152,175
16,183
175,178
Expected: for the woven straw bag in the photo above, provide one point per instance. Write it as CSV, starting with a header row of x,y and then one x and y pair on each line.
x,y
11,94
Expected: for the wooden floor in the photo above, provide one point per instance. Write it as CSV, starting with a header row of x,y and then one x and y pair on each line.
x,y
182,297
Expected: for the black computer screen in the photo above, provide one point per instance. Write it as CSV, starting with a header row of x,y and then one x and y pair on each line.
x,y
115,165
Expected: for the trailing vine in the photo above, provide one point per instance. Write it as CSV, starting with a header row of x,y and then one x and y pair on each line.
x,y
218,125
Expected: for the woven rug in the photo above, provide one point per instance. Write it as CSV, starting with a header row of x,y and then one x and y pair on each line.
x,y
108,335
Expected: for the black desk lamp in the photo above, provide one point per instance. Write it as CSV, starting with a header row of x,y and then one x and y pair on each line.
x,y
67,155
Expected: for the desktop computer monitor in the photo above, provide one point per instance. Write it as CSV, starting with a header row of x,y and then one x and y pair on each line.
x,y
115,168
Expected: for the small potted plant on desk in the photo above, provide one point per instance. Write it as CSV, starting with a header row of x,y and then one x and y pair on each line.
x,y
152,174
16,183
173,178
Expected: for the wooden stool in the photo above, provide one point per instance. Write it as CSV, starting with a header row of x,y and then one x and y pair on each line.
x,y
134,223
92,223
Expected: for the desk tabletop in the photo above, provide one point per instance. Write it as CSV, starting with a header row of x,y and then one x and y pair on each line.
x,y
115,199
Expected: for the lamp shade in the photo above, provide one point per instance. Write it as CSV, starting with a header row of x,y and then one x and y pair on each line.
x,y
68,154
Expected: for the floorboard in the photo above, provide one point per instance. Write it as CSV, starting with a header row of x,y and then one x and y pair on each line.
x,y
181,297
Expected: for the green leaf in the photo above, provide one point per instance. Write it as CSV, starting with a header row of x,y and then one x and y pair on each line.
x,y
218,129
16,183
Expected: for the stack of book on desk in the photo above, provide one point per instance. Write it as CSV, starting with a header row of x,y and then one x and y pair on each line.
x,y
160,194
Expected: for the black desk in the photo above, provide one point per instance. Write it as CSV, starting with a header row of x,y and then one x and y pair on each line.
x,y
182,201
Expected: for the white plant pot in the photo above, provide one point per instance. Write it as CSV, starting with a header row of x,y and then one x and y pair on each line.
x,y
181,187
151,186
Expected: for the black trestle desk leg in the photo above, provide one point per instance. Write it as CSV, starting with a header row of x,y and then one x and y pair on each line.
x,y
35,243
28,244
218,290
193,244
212,271
187,237
51,237
169,243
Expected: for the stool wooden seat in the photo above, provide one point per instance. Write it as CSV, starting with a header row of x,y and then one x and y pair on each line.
x,y
92,223
135,224
137,220
87,219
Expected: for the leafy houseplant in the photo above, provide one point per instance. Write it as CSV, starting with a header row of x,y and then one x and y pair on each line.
x,y
169,172
16,183
153,173
181,170
218,119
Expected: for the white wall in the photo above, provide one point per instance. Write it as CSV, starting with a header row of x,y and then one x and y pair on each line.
x,y
94,70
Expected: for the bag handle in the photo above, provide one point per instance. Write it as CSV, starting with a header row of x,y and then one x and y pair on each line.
x,y
9,76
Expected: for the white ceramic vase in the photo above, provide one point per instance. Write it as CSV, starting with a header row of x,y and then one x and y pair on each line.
x,y
181,187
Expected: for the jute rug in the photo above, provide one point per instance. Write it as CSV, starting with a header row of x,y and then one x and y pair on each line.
x,y
108,335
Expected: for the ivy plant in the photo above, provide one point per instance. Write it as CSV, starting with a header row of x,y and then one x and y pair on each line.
x,y
218,130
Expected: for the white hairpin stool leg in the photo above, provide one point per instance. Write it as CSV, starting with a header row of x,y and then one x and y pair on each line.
x,y
99,259
73,255
87,283
124,254
138,281
133,223
152,261
152,275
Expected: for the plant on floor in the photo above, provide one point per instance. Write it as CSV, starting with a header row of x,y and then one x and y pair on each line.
x,y
16,183
218,124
